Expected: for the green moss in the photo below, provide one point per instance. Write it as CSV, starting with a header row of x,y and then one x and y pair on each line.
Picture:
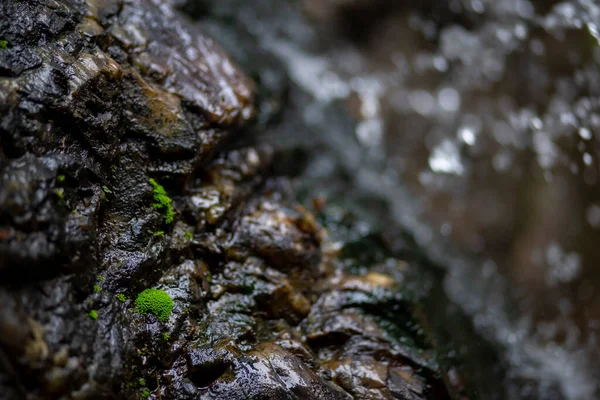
x,y
114,168
60,193
99,278
93,314
166,336
159,234
121,297
3,44
60,178
188,235
155,301
145,393
106,189
162,201
97,289
142,382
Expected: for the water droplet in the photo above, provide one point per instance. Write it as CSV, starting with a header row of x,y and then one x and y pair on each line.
x,y
440,63
370,132
593,30
445,158
467,135
477,6
545,149
449,99
422,102
521,31
563,267
503,35
585,133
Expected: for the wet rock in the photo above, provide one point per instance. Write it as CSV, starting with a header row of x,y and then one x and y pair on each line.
x,y
286,238
103,102
353,329
35,217
265,372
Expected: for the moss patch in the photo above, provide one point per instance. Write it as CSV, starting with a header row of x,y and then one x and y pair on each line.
x,y
59,192
93,314
121,297
97,289
3,44
162,201
156,302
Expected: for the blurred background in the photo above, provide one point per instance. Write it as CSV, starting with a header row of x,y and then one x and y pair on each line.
x,y
480,120
489,112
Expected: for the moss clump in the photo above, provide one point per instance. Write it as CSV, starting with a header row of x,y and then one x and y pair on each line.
x,y
159,234
188,235
93,314
106,189
60,178
162,201
155,301
166,336
59,192
3,44
145,393
121,297
142,382
97,289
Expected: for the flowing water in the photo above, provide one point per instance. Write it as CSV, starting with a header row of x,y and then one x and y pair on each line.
x,y
478,123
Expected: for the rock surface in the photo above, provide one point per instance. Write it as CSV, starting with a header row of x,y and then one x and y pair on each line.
x,y
96,99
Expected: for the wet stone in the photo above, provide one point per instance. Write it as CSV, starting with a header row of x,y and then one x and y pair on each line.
x,y
103,102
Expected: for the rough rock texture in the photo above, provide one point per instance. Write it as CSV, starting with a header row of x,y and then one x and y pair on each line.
x,y
98,97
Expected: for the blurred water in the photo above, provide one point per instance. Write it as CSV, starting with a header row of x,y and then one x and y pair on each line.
x,y
479,122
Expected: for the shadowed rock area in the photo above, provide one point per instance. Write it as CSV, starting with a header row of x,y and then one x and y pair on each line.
x,y
127,162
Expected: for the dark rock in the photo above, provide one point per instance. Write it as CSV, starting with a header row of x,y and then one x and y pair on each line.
x,y
97,98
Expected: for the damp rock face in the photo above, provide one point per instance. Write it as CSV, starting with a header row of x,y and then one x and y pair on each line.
x,y
107,106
